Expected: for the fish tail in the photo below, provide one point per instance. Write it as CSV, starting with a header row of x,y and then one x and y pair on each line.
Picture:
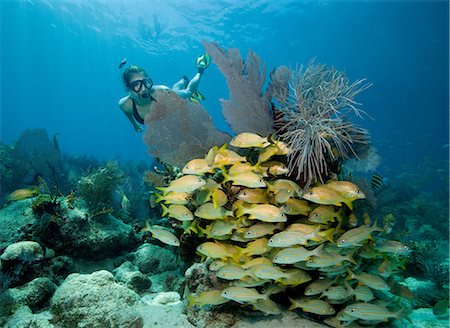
x,y
350,276
329,235
165,210
349,203
225,175
401,314
351,259
293,304
163,189
147,227
158,197
191,300
375,227
317,250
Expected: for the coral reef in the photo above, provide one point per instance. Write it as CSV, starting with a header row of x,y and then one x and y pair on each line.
x,y
179,130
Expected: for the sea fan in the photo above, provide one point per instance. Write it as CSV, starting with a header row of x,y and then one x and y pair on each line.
x,y
312,120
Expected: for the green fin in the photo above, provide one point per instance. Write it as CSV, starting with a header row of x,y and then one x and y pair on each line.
x,y
203,61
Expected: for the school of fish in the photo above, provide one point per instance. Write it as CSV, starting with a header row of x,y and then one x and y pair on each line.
x,y
264,235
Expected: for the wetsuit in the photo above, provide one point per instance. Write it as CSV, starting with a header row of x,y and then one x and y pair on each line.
x,y
136,115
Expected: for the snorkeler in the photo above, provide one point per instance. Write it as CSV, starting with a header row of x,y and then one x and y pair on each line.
x,y
136,105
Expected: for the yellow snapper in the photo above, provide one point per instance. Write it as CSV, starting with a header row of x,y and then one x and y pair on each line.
x,y
186,183
198,166
207,211
324,214
337,292
225,157
21,194
278,148
325,259
295,254
284,184
250,282
254,196
355,236
161,234
274,168
243,294
267,271
231,272
326,196
240,168
262,229
267,306
216,265
346,189
294,277
178,212
256,247
392,246
363,293
370,280
249,140
176,198
368,311
294,206
222,227
218,250
256,261
219,198
291,238
312,306
262,212
210,297
247,179
318,286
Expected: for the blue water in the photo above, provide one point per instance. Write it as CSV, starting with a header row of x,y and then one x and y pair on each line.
x,y
59,64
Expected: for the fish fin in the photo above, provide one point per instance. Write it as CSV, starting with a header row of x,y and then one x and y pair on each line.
x,y
350,276
293,304
329,235
158,197
349,203
163,189
165,210
191,300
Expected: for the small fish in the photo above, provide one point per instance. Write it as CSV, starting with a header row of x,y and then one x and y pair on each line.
x,y
266,306
222,228
178,212
325,259
324,214
291,238
312,306
197,166
326,196
256,261
289,186
125,203
295,278
223,157
336,293
176,198
294,206
318,286
186,183
262,229
243,294
210,297
161,234
122,63
21,194
216,265
249,140
347,189
368,311
370,280
295,254
377,181
363,293
262,212
248,179
231,272
257,247
274,168
392,246
219,198
277,148
254,196
267,271
207,211
355,236
217,250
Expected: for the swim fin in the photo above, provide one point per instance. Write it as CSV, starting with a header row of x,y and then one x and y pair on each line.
x,y
203,62
196,97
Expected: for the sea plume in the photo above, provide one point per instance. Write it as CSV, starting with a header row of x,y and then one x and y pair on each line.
x,y
179,130
248,109
311,117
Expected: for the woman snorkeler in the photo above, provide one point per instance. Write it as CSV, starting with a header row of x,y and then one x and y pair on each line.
x,y
137,104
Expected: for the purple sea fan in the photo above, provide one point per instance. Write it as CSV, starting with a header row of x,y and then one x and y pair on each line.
x,y
312,119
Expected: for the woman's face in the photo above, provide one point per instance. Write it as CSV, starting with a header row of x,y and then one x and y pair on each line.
x,y
140,84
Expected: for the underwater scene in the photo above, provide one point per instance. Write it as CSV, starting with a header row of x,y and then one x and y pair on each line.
x,y
226,163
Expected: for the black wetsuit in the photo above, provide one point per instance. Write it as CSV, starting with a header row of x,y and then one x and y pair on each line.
x,y
136,115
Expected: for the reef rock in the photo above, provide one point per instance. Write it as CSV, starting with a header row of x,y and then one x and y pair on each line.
x,y
130,275
28,251
95,300
154,259
35,294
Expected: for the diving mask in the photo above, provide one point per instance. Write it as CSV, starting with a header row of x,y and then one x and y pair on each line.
x,y
137,85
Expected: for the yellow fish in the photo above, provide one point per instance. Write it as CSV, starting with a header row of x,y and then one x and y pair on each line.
x,y
178,198
355,236
318,286
21,194
249,140
267,271
254,196
262,229
370,280
256,247
291,238
240,168
225,157
210,297
207,211
295,254
248,179
295,277
161,234
274,168
262,212
217,250
198,166
312,306
294,206
326,196
243,294
278,148
178,212
347,189
368,311
231,272
324,214
186,183
219,198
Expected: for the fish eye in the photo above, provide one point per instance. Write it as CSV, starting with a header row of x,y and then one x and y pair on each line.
x,y
352,310
310,193
270,241
341,241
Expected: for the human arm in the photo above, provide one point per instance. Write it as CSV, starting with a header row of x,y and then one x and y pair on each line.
x,y
126,105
